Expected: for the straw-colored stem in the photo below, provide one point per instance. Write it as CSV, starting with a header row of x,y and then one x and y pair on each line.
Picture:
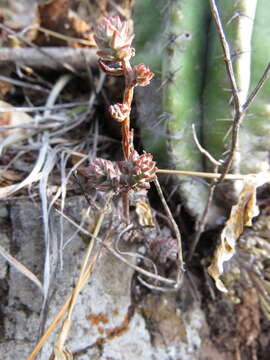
x,y
201,174
60,314
86,271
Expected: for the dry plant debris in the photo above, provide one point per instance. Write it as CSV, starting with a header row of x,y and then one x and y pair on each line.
x,y
241,215
52,140
131,175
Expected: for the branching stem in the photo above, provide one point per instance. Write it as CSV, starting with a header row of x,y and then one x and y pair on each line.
x,y
239,113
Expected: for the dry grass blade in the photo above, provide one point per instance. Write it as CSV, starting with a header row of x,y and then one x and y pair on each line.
x,y
56,90
202,174
61,354
59,351
167,281
35,174
60,314
50,252
41,108
241,215
20,267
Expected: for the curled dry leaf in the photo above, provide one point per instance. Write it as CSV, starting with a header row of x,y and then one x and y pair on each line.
x,y
145,217
241,215
5,87
13,119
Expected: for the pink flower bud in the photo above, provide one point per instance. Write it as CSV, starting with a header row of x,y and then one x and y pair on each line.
x,y
119,111
142,75
113,39
134,174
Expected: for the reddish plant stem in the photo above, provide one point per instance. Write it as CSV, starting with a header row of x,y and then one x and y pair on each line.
x,y
127,137
128,97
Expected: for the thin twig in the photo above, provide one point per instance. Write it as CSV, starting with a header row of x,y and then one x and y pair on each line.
x,y
238,109
201,174
202,150
176,231
260,84
55,59
239,112
42,51
227,54
200,226
238,116
22,83
121,258
64,37
42,108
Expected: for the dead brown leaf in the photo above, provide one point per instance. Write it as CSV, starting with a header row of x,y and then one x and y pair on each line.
x,y
5,88
20,15
8,177
57,16
241,215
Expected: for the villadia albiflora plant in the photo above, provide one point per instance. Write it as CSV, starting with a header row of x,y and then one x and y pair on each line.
x,y
114,40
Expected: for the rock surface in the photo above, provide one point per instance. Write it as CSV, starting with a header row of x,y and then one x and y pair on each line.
x,y
107,323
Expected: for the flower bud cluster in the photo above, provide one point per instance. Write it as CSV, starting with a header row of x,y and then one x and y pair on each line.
x,y
114,39
163,248
119,176
142,75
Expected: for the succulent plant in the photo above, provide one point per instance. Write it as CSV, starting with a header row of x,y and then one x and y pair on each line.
x,y
163,248
113,39
120,176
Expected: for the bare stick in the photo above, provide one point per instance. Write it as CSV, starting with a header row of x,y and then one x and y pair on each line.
x,y
258,87
42,51
238,116
22,83
239,113
55,59
227,54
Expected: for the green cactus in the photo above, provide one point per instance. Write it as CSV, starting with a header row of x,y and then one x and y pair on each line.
x,y
238,20
255,131
195,87
182,47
